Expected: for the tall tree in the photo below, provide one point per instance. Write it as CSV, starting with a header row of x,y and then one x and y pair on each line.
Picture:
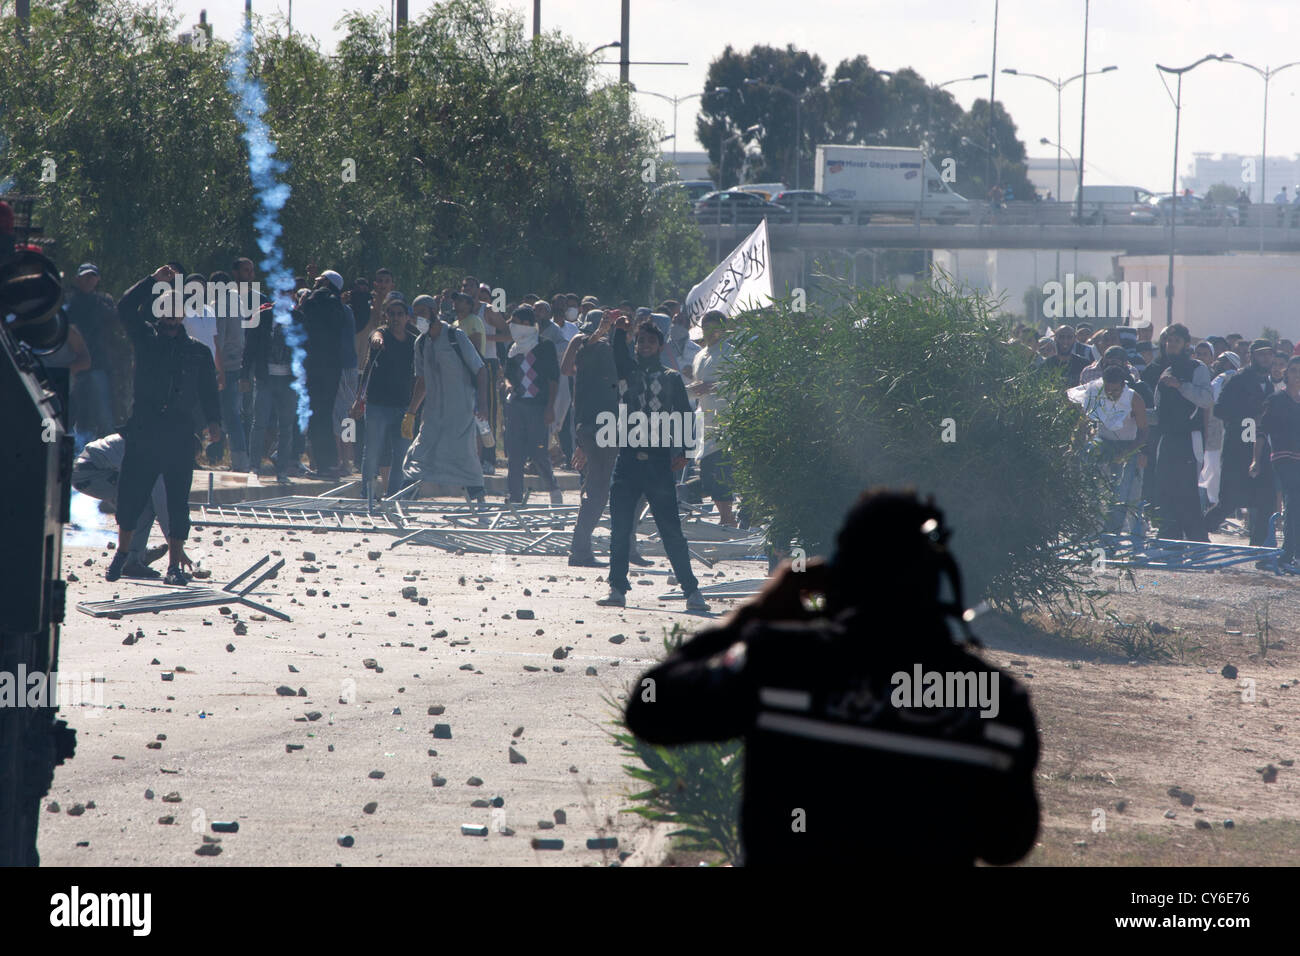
x,y
858,106
470,147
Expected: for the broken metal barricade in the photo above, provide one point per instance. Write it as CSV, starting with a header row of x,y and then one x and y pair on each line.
x,y
510,528
174,599
737,590
480,541
299,514
1163,554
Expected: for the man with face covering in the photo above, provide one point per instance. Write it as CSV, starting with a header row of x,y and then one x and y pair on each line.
x,y
451,381
532,379
1182,390
173,374
1240,405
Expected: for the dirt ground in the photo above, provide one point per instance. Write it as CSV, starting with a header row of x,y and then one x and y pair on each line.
x,y
1119,731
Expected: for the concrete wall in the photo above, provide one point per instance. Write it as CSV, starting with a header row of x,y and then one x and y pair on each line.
x,y
1006,274
1220,294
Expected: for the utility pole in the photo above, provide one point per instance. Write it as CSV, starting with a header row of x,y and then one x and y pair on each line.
x,y
624,57
993,87
1083,115
403,13
537,18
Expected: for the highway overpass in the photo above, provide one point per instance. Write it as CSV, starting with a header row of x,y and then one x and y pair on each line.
x,y
1130,239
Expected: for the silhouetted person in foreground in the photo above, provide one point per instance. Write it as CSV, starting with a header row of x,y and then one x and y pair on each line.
x,y
850,751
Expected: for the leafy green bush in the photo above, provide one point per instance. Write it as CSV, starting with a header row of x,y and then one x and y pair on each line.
x,y
912,389
696,787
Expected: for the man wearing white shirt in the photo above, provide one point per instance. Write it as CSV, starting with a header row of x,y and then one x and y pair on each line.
x,y
1121,420
201,325
201,322
708,373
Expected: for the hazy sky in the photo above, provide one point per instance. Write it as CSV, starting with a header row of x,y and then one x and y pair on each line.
x,y
1130,115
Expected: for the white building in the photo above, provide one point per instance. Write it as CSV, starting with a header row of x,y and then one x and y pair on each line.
x,y
1041,171
1007,274
1242,171
1222,294
690,165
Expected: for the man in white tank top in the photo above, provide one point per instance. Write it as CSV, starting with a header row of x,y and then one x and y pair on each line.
x,y
1121,420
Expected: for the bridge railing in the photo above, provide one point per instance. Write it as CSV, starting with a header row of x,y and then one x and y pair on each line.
x,y
1015,213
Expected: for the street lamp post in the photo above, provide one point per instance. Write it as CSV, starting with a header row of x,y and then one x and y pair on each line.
x,y
1173,191
1058,84
1266,75
929,99
1059,149
798,114
676,101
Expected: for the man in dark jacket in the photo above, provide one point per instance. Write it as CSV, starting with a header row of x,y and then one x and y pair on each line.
x,y
1069,360
1182,387
1240,406
650,392
93,314
590,359
173,374
859,709
323,317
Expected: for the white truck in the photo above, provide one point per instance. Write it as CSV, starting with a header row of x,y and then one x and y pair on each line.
x,y
888,180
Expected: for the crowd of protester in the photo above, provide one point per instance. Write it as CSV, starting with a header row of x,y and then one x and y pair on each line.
x,y
1192,432
397,391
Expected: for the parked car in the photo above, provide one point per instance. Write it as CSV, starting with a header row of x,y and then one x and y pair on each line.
x,y
766,191
731,205
694,189
1189,210
807,205
1109,204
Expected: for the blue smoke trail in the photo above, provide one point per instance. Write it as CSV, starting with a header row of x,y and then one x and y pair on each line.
x,y
272,194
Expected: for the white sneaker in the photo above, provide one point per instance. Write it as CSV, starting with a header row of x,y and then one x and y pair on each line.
x,y
695,602
616,598
253,480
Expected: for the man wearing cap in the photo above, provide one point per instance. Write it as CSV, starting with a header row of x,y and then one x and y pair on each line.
x,y
93,314
323,318
1239,407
